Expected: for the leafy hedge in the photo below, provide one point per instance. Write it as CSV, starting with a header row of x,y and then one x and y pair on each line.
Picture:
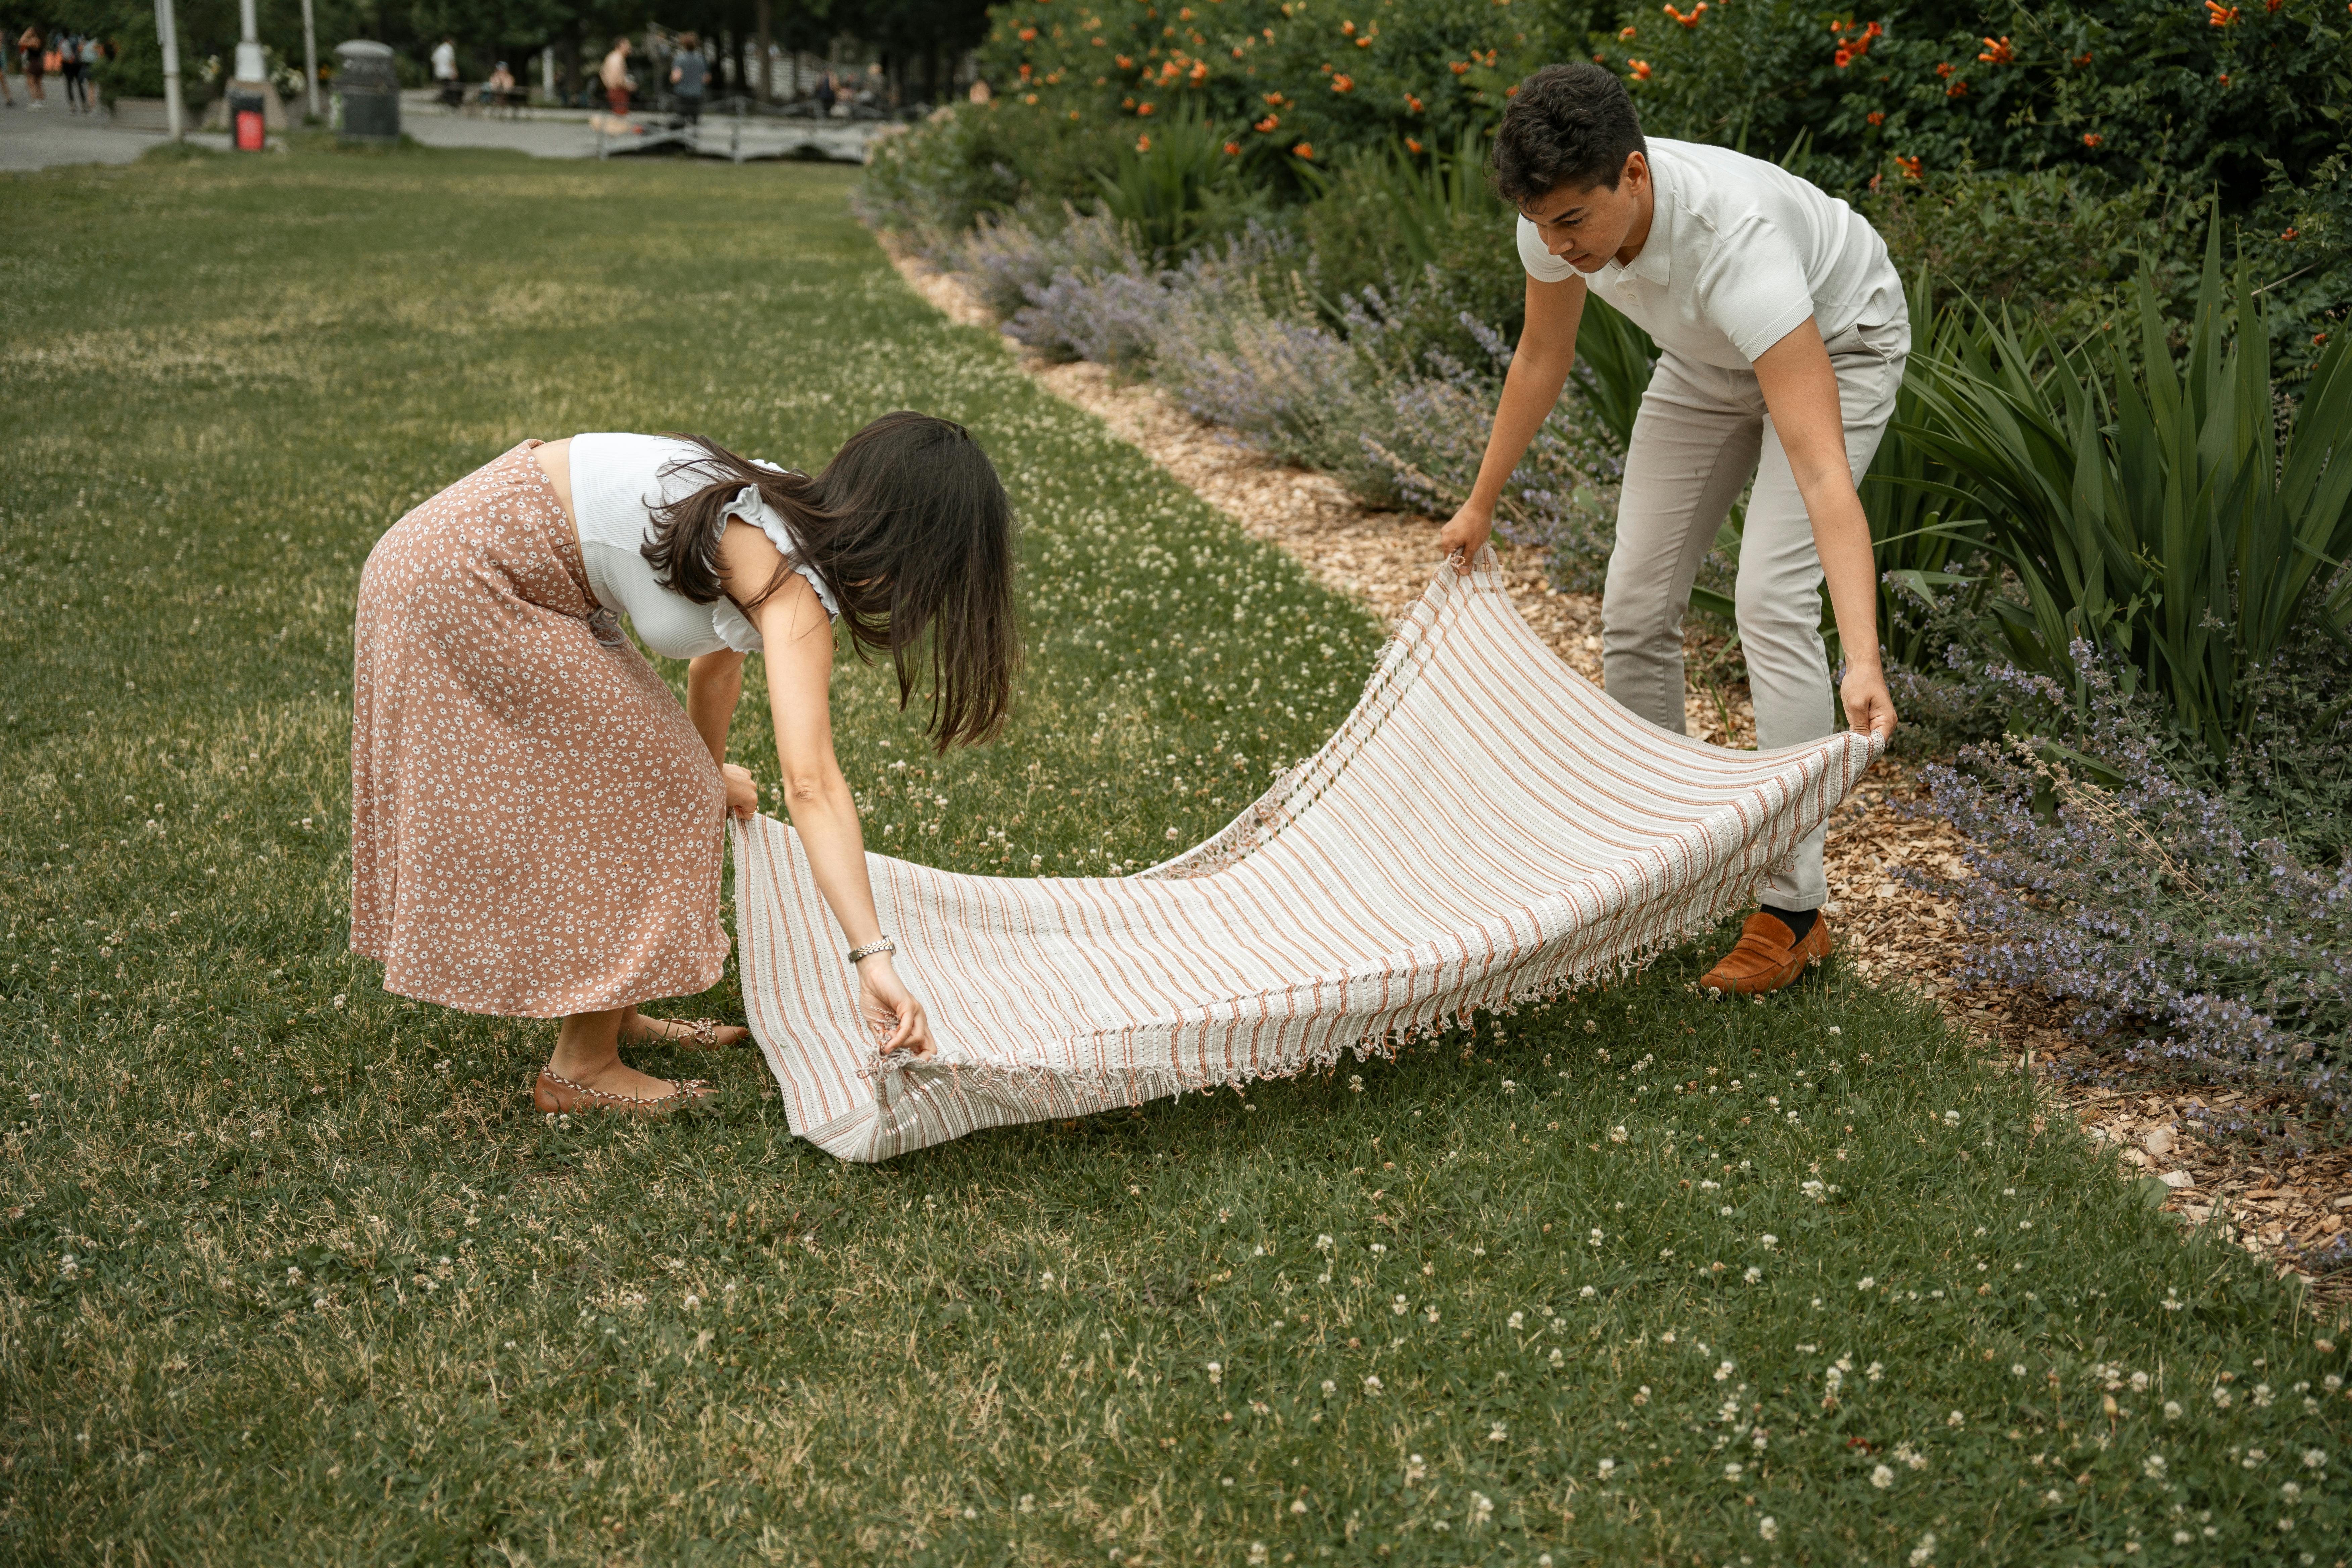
x,y
2199,95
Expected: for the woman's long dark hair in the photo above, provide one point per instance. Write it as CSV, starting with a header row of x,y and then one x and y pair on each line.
x,y
909,527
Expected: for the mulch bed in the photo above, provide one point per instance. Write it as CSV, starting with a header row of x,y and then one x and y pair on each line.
x,y
2280,1208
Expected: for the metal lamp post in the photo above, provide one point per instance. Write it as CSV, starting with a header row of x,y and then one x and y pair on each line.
x,y
167,34
310,59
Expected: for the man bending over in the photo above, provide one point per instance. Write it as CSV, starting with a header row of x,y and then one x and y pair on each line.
x,y
1782,333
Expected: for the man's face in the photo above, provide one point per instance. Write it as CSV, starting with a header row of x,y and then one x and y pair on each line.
x,y
1587,226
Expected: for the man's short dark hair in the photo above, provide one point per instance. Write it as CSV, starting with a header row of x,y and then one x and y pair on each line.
x,y
1568,125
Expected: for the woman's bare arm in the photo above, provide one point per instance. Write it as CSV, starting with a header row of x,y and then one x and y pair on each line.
x,y
714,684
798,640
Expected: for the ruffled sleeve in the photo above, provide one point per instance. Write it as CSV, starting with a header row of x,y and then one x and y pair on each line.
x,y
735,628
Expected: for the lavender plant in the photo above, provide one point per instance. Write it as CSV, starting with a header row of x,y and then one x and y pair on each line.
x,y
1562,496
2106,873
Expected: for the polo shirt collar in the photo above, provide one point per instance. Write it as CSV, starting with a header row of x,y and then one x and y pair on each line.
x,y
1655,264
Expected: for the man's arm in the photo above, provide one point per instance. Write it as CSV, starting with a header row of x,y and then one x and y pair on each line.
x,y
1538,370
1800,390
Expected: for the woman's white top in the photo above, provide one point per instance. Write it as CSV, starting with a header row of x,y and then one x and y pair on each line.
x,y
1740,253
616,483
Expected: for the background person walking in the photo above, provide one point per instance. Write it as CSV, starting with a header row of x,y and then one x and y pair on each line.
x,y
690,77
71,50
445,74
615,75
28,48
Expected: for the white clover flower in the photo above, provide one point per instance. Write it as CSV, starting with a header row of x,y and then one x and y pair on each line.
x,y
1497,1433
1595,1237
1557,1359
1925,1551
1956,1419
1753,1275
2172,1410
1516,1320
1324,1244
1608,1467
1400,1306
1372,1384
2260,1395
1379,1247
1868,1282
2313,1460
1588,1293
1216,1374
1723,1372
2139,1382
1768,1241
2221,1398
1882,1476
1951,1118
2291,1492
2153,1467
1355,1083
2017,1369
1768,1527
1618,1134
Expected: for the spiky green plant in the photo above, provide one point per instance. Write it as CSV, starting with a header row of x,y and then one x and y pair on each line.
x,y
2164,513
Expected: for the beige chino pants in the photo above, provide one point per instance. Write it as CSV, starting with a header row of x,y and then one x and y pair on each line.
x,y
1701,433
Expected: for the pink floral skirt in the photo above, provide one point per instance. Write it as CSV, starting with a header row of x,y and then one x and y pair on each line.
x,y
536,827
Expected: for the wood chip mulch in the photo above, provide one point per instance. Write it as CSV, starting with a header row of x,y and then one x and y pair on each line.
x,y
2287,1210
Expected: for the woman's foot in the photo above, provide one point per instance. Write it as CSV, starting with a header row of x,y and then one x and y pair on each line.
x,y
692,1034
586,1073
619,1088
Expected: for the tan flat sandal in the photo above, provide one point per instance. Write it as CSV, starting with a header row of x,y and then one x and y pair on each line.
x,y
702,1033
544,1095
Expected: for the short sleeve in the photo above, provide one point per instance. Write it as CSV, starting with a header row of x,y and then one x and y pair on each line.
x,y
1755,293
735,628
1541,264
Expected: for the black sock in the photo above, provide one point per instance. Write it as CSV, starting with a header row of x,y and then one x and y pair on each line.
x,y
1799,922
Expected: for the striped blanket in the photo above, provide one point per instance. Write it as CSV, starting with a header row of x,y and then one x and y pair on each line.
x,y
1330,917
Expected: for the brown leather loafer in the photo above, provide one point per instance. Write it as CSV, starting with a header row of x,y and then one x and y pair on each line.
x,y
1769,955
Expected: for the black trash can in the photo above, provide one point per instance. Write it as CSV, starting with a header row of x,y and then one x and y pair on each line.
x,y
367,92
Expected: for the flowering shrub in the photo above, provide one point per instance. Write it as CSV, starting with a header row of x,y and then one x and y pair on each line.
x,y
2175,911
1283,81
2140,87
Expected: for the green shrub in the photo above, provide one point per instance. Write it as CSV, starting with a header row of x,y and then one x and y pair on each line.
x,y
2167,516
2140,89
2056,248
1285,82
1175,188
937,178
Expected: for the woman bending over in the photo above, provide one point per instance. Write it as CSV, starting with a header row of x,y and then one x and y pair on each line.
x,y
536,824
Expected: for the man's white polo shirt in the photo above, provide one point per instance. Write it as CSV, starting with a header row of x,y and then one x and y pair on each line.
x,y
1740,253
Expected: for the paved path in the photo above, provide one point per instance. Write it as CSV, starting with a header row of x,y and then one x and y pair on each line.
x,y
41,139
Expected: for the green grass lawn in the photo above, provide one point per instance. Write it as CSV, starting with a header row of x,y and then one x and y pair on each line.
x,y
291,1273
